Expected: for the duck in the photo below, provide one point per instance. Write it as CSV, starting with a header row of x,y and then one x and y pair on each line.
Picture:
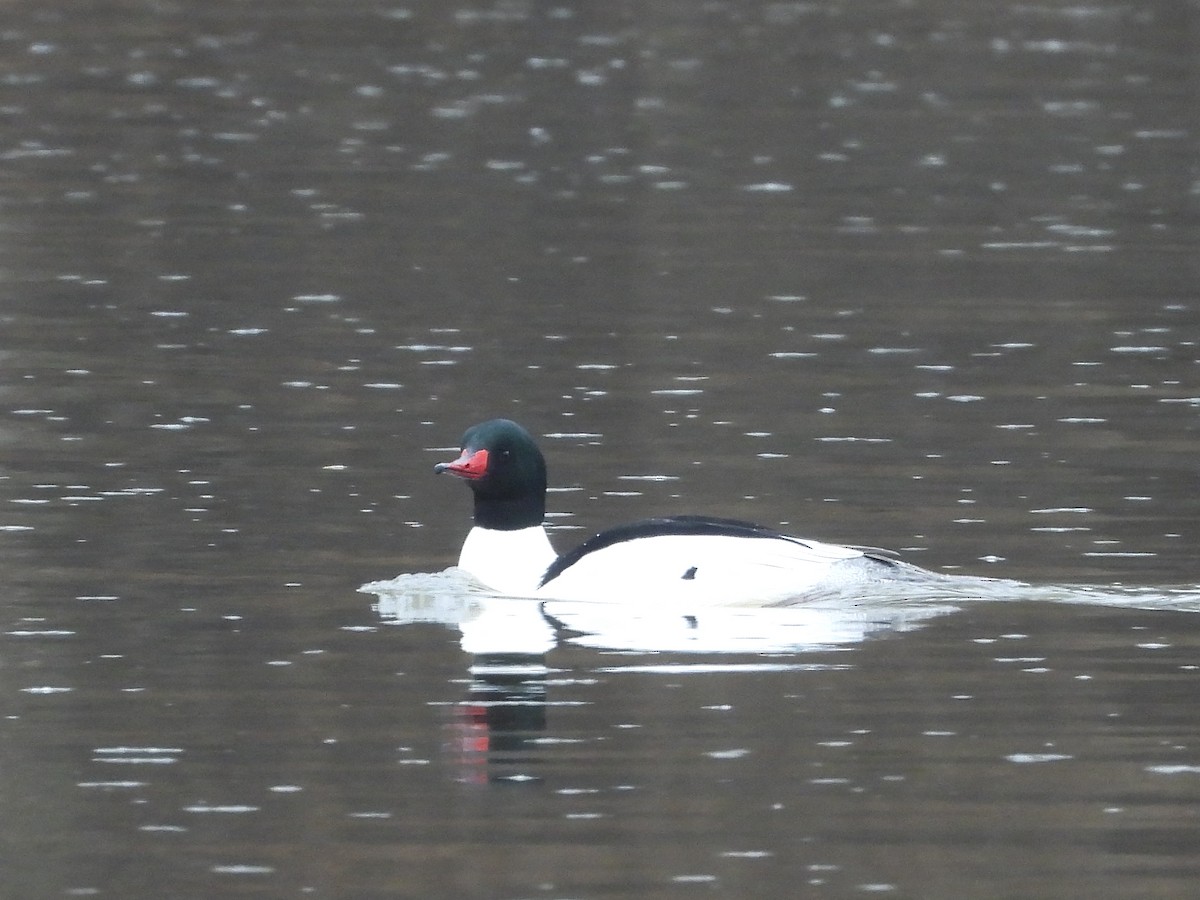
x,y
680,559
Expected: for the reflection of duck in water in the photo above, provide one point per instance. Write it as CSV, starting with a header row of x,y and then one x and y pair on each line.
x,y
496,626
686,559
504,714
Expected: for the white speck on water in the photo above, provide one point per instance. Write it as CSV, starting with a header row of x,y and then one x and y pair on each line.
x,y
243,869
49,632
136,754
1023,758
1019,245
853,440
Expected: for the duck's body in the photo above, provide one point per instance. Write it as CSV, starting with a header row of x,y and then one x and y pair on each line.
x,y
685,559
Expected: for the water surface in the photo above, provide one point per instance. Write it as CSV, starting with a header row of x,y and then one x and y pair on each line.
x,y
920,277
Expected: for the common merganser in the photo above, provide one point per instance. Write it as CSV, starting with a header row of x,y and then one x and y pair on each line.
x,y
688,559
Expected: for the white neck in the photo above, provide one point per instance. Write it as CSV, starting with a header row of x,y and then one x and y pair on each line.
x,y
511,562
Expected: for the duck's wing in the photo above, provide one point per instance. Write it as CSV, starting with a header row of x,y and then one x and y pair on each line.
x,y
733,561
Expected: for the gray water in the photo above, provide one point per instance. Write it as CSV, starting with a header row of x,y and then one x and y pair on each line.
x,y
920,276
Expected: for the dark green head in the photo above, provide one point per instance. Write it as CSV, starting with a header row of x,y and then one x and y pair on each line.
x,y
507,473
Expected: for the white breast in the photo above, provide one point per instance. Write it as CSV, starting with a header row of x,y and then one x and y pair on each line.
x,y
509,562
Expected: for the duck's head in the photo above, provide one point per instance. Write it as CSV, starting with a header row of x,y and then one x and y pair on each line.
x,y
506,471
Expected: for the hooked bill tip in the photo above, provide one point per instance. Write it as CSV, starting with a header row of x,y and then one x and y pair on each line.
x,y
471,466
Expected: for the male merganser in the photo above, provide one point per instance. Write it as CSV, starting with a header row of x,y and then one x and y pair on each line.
x,y
687,559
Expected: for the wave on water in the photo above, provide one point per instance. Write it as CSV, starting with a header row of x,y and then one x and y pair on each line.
x,y
492,624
